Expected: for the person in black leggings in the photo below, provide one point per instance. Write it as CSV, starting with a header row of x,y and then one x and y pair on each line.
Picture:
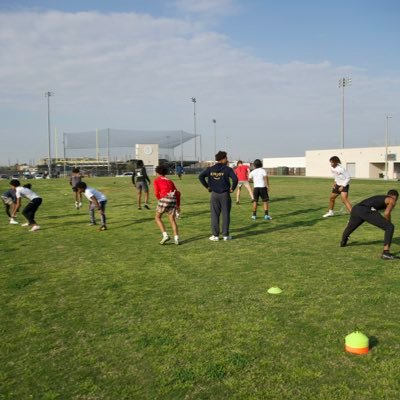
x,y
368,210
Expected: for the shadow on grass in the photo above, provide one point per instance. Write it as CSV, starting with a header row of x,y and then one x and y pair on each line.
x,y
249,229
299,212
193,239
195,213
373,342
277,199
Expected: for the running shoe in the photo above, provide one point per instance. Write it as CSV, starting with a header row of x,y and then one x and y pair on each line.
x,y
146,206
164,239
254,217
103,228
267,217
343,242
25,224
214,238
13,221
228,238
389,256
34,228
330,213
176,241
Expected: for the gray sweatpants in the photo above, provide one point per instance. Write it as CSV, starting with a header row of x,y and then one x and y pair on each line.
x,y
220,203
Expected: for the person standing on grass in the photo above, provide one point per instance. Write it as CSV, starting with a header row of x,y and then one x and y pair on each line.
x,y
217,180
75,178
242,172
30,210
9,200
169,200
141,180
97,200
340,186
261,185
368,211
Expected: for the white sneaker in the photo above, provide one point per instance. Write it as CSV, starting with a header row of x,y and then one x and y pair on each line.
x,y
13,221
34,228
228,237
164,239
214,238
76,205
176,241
25,224
79,204
330,213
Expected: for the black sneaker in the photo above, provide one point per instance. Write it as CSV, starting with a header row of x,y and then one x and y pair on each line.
x,y
389,256
343,243
146,207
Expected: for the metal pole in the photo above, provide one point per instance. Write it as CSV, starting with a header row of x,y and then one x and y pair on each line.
x,y
386,145
48,95
181,148
108,151
194,127
342,141
201,151
215,135
65,156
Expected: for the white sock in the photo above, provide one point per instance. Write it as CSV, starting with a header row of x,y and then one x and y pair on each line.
x,y
165,234
176,237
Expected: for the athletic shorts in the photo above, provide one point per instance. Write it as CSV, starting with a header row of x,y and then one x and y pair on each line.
x,y
261,192
243,183
7,200
166,205
336,190
142,185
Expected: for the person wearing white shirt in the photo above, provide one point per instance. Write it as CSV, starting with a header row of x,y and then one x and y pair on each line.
x,y
34,202
260,189
97,200
340,187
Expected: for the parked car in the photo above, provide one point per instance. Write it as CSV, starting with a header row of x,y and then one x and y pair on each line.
x,y
28,176
15,176
125,174
39,176
3,176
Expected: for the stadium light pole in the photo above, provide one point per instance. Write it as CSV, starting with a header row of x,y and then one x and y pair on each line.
x,y
215,135
48,95
194,127
386,145
343,82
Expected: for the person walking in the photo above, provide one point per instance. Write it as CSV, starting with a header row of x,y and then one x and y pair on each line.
x,y
341,186
141,181
242,172
217,180
368,211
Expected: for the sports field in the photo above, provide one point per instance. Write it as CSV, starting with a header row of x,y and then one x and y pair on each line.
x,y
114,315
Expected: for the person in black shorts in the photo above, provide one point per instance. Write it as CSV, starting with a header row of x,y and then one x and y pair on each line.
x,y
260,189
141,181
368,211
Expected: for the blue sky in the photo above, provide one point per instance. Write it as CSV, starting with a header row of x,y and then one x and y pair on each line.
x,y
266,70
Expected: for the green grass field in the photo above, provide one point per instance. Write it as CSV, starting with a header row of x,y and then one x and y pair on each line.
x,y
114,315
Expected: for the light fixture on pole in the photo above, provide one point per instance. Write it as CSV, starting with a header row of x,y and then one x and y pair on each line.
x,y
386,146
194,127
215,135
48,95
343,82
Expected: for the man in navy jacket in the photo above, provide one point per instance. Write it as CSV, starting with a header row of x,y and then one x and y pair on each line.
x,y
217,180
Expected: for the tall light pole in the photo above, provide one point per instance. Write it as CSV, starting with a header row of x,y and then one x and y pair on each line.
x,y
343,82
194,127
48,95
386,145
215,135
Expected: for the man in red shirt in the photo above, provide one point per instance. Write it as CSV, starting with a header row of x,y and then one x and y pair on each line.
x,y
242,173
169,199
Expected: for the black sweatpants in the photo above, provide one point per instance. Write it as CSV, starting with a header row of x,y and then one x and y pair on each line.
x,y
360,214
30,210
220,203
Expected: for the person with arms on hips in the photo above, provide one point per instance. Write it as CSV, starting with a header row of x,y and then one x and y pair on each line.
x,y
261,185
368,211
340,186
75,178
242,172
97,200
141,181
169,200
9,200
217,180
30,209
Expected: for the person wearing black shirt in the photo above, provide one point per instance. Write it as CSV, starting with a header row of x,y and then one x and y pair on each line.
x,y
368,210
217,180
140,180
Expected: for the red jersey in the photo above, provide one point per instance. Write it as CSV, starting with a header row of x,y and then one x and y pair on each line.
x,y
242,172
163,187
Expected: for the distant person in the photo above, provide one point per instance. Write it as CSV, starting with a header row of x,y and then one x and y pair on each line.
x,y
340,186
261,185
242,172
30,209
179,171
368,211
141,181
9,200
169,199
75,178
97,200
217,180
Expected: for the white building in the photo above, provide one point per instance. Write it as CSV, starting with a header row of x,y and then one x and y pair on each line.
x,y
364,162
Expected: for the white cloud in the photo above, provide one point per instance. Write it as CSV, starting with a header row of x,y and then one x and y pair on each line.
x,y
206,6
135,71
